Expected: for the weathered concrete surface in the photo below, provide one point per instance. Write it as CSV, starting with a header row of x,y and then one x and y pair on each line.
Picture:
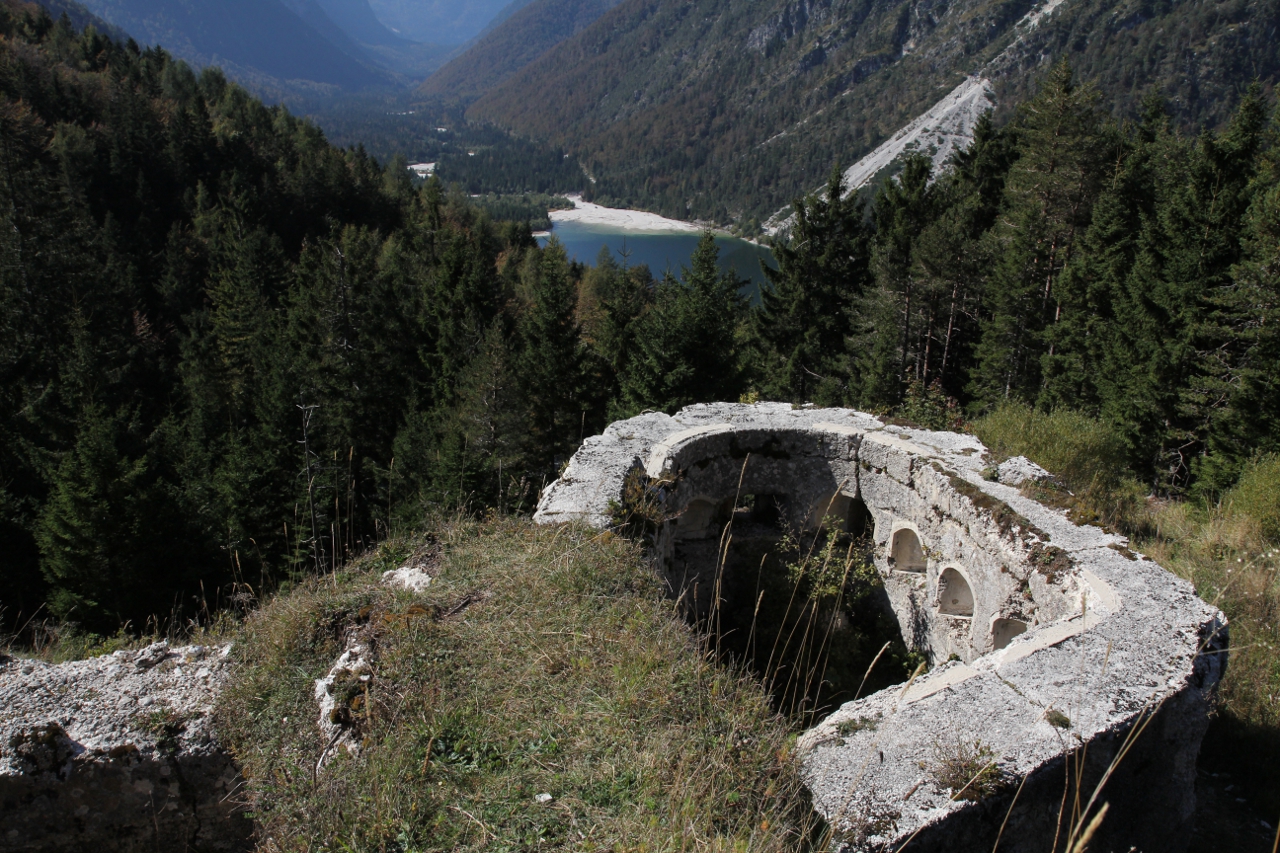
x,y
1053,645
117,753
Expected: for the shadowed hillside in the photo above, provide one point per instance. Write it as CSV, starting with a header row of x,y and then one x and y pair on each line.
x,y
725,111
509,47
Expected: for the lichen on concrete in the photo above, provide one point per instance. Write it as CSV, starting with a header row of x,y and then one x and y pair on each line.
x,y
1051,643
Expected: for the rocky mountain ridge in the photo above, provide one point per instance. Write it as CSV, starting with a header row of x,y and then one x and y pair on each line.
x,y
726,111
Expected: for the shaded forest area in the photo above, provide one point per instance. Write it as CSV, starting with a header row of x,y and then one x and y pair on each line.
x,y
479,158
233,354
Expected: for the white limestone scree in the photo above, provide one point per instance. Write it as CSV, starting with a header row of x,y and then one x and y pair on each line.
x,y
1050,644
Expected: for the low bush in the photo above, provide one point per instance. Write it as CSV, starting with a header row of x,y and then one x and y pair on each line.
x,y
1256,497
1086,455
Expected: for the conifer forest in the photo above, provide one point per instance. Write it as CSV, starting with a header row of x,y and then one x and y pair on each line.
x,y
233,353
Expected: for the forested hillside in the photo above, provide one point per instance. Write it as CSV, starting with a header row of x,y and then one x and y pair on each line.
x,y
724,111
502,52
274,46
1068,261
230,352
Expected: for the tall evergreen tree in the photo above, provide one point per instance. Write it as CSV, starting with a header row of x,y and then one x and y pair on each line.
x,y
951,257
803,318
1048,200
549,361
898,320
687,348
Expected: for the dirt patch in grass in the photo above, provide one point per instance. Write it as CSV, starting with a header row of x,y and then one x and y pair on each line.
x,y
565,706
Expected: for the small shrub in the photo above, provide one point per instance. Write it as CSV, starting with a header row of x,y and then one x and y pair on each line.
x,y
1256,496
641,511
968,770
1057,719
858,724
928,407
1081,450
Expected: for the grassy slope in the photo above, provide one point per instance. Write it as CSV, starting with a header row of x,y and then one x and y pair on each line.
x,y
1231,553
540,661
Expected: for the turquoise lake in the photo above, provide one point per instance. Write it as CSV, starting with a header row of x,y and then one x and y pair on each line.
x,y
661,251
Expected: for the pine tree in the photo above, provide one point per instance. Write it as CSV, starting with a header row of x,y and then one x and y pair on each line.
x,y
897,321
1162,340
549,360
687,344
1048,200
952,258
803,318
1239,345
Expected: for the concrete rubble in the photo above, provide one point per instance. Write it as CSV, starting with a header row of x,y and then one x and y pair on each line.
x,y
117,753
1056,653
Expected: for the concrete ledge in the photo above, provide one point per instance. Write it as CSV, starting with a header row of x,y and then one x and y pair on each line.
x,y
117,753
1072,650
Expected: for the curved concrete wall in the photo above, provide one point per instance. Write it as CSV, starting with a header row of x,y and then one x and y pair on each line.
x,y
1026,617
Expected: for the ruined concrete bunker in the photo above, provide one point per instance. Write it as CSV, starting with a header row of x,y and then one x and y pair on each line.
x,y
1053,649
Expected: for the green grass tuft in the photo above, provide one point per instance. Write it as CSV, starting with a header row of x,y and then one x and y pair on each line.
x,y
540,661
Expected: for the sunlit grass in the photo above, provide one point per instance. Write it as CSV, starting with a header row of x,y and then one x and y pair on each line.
x,y
567,674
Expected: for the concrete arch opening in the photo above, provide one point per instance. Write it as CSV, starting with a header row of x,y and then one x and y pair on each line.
x,y
906,552
1004,630
858,521
955,596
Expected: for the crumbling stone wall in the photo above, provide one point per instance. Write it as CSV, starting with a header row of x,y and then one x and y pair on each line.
x,y
1053,646
117,754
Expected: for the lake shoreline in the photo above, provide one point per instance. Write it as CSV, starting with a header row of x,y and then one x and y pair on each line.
x,y
622,219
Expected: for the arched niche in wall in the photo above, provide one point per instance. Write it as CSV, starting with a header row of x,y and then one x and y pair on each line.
x,y
701,518
858,519
955,596
1004,630
832,508
845,513
906,552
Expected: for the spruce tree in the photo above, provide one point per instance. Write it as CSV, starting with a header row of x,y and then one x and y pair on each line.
x,y
898,320
1047,203
803,317
687,345
549,360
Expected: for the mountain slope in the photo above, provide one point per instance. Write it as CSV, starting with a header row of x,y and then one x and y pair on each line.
x,y
80,17
260,42
357,20
725,110
525,35
445,22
